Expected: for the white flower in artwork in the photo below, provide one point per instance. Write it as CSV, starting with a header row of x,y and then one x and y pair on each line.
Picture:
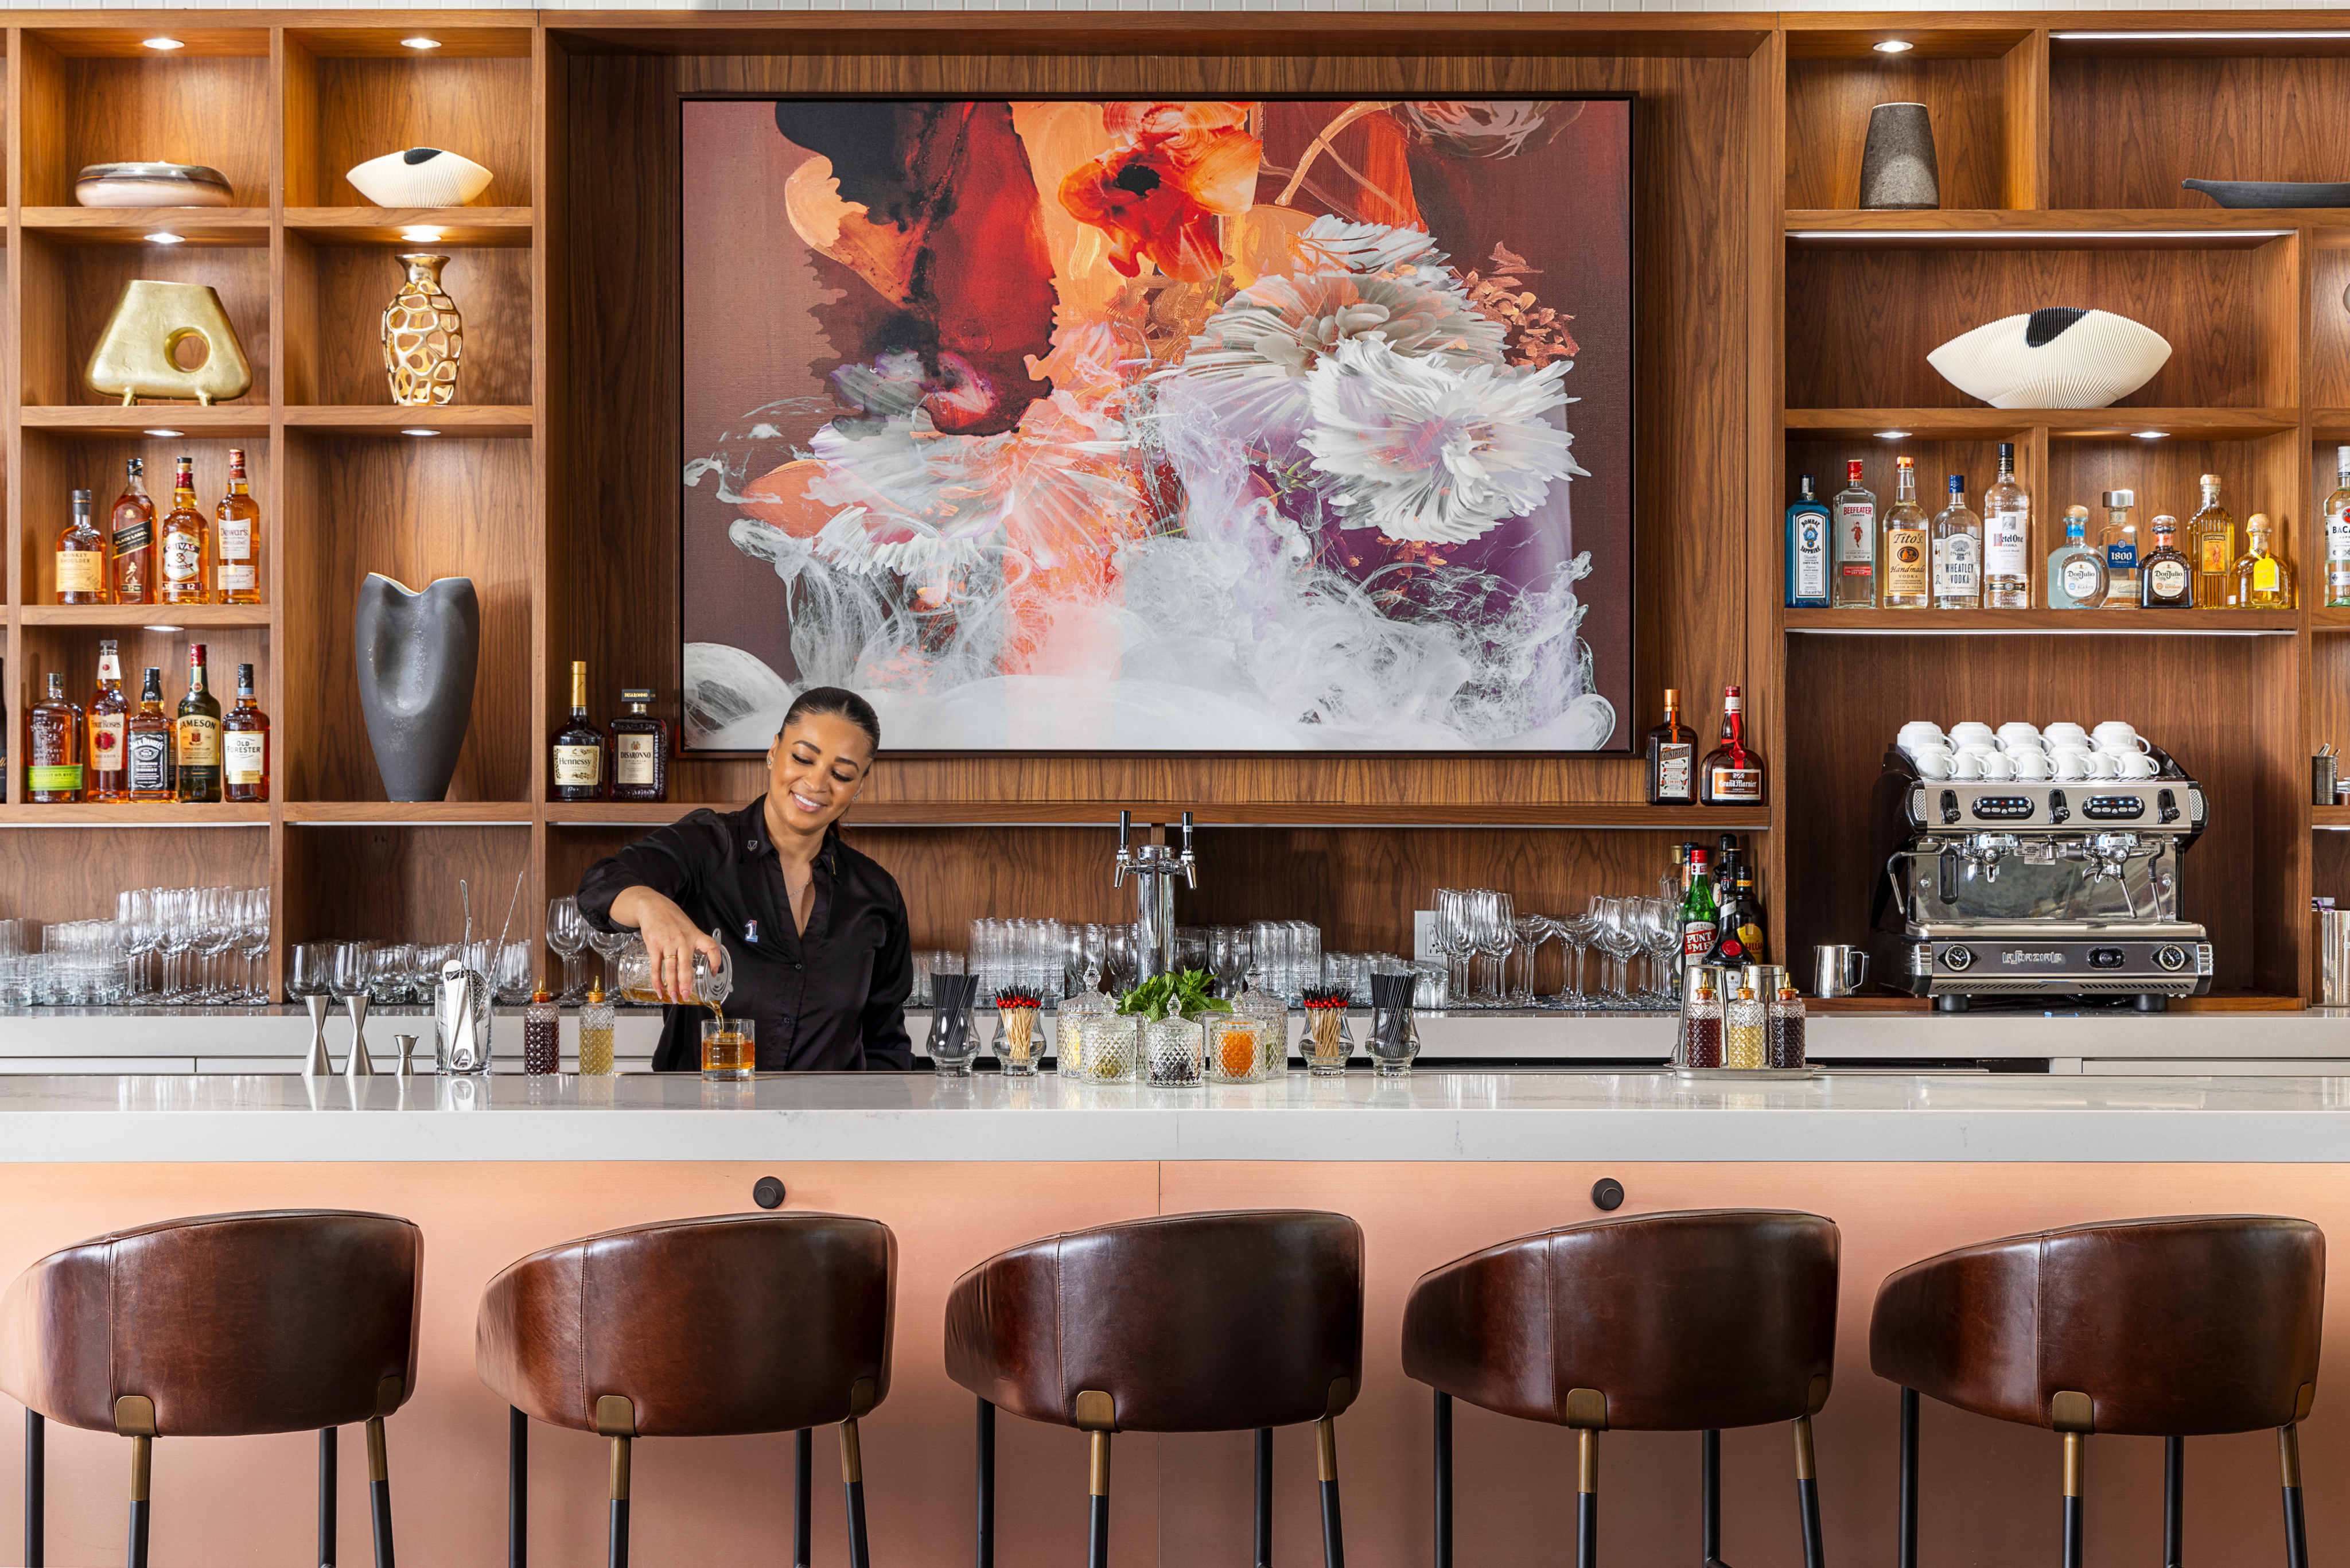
x,y
1419,450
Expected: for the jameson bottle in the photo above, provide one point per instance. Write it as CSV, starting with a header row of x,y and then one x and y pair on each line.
x,y
196,736
132,530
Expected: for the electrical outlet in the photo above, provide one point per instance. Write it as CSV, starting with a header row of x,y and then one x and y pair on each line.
x,y
1423,936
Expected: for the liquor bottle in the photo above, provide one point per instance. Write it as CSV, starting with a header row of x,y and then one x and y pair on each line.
x,y
1700,921
1729,948
81,557
2118,539
639,750
236,539
183,542
53,763
2007,516
578,747
1855,553
1733,772
1738,941
1958,552
1672,757
2337,533
245,746
2211,541
2076,574
2167,575
109,779
1808,551
148,745
133,537
1909,582
196,736
1750,918
2262,579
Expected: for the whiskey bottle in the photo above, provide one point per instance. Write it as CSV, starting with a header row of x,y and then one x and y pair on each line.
x,y
133,537
109,778
2076,574
1958,552
183,542
53,757
2007,519
1856,552
639,750
2211,541
245,746
1808,551
1672,757
148,743
2261,579
196,736
2337,533
2118,539
579,748
1733,774
81,557
1909,582
2166,577
236,539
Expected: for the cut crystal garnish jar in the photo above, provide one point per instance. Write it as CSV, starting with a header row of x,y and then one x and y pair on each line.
x,y
1069,1024
1172,1046
1113,1046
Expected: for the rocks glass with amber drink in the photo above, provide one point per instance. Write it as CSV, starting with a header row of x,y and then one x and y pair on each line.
x,y
729,1050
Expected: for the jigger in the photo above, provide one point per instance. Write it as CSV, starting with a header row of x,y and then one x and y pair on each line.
x,y
407,1043
318,1065
358,1067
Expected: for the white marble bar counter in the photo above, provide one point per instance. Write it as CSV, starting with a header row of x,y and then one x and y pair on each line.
x,y
1431,1115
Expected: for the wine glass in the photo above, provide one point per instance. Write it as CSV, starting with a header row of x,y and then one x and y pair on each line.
x,y
175,915
608,945
1454,943
1620,940
256,944
1497,933
567,933
352,965
1532,932
217,932
1603,913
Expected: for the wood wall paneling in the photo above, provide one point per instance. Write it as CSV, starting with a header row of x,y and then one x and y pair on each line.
x,y
399,883
50,874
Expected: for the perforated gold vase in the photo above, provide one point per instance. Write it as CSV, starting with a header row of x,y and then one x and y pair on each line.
x,y
424,334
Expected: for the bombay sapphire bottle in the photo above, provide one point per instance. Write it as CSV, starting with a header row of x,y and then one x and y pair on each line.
x,y
1808,551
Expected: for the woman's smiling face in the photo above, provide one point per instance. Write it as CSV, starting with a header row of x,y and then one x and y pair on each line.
x,y
814,769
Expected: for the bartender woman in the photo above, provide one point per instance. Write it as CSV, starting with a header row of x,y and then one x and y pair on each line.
x,y
817,931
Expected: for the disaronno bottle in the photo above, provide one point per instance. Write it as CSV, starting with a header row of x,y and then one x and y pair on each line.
x,y
576,771
639,750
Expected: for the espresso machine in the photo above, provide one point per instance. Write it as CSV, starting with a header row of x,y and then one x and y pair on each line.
x,y
2037,889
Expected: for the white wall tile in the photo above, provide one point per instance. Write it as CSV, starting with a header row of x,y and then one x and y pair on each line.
x,y
1538,5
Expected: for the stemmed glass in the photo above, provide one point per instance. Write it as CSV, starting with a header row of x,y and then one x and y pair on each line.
x,y
175,912
1620,939
1454,943
1662,934
353,966
1497,933
1602,914
217,921
134,916
256,944
608,945
567,933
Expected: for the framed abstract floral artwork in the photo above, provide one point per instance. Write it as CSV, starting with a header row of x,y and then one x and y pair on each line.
x,y
1281,426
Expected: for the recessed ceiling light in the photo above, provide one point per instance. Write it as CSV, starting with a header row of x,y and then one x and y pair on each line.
x,y
422,236
420,432
163,432
1893,435
1894,46
166,237
2150,435
164,43
167,630
419,43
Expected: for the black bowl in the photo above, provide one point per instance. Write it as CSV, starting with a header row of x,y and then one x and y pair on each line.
x,y
2271,193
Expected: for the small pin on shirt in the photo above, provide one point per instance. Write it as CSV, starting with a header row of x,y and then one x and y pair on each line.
x,y
750,930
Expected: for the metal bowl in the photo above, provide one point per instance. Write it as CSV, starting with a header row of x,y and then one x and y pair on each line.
x,y
150,185
2271,193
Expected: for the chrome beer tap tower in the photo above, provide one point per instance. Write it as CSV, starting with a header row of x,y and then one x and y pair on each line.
x,y
1154,867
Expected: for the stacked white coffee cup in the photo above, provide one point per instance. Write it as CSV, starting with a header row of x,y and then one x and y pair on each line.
x,y
2059,753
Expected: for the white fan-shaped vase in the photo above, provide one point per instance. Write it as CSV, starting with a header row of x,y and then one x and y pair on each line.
x,y
419,177
2057,357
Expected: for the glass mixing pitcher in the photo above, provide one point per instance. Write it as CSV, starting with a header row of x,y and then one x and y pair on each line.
x,y
712,985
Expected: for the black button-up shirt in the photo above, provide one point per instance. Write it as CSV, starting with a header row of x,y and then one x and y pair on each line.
x,y
830,1000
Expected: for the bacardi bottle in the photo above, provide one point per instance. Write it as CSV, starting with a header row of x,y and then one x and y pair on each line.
x,y
2337,533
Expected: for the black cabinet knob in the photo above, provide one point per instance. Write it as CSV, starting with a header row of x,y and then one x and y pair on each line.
x,y
1608,1194
767,1192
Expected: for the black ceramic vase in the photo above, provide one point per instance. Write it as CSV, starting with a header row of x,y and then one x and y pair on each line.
x,y
416,657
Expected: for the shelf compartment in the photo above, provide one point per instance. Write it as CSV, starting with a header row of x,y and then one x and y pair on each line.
x,y
2126,128
398,881
72,651
472,227
199,226
1861,321
96,95
347,102
335,292
2045,622
55,466
194,617
429,813
1977,86
460,420
70,290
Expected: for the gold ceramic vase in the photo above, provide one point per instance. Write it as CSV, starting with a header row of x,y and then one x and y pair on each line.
x,y
423,336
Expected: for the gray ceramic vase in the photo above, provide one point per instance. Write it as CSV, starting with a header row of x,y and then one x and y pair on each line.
x,y
416,657
1897,172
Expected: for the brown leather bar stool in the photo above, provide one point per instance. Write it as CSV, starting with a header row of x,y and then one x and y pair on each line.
x,y
1671,1323
1193,1322
2170,1328
227,1326
695,1328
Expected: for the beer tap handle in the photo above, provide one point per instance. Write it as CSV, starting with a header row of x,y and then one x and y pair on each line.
x,y
1190,867
1124,859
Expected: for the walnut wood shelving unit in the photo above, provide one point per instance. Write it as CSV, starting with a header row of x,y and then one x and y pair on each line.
x,y
1797,330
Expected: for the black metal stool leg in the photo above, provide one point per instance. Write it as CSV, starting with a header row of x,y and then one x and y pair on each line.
x,y
616,1549
36,1488
326,1435
1333,1534
1807,1493
2077,1465
2296,1532
1709,1499
142,1461
518,1488
987,1484
1587,1497
1906,1553
1443,1480
1264,1496
379,1491
803,1498
1098,1498
852,1480
2174,1502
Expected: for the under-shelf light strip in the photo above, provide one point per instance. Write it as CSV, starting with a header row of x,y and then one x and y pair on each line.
x,y
1914,235
2264,37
